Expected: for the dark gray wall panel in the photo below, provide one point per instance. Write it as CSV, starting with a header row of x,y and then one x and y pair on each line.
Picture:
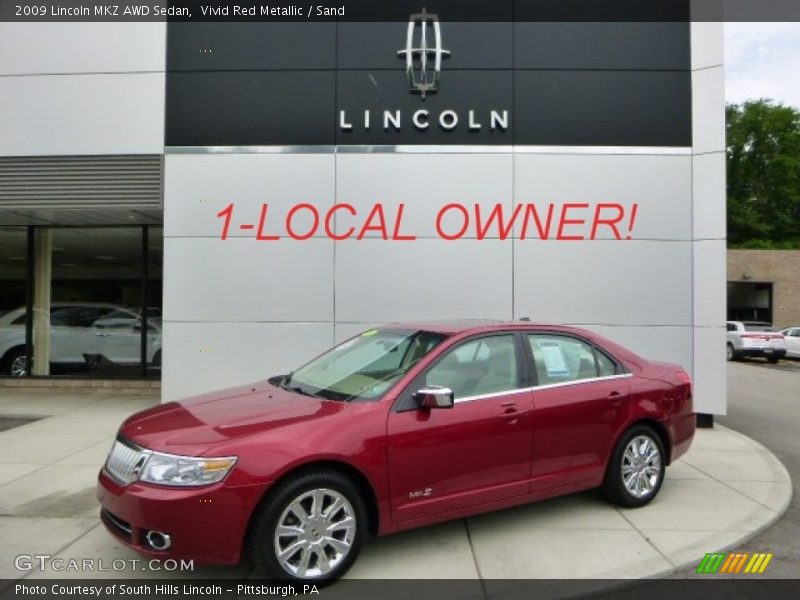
x,y
255,46
603,108
602,46
460,91
575,83
472,45
241,108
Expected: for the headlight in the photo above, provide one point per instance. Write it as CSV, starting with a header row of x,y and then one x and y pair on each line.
x,y
168,469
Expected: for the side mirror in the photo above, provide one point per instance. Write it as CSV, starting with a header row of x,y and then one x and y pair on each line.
x,y
434,396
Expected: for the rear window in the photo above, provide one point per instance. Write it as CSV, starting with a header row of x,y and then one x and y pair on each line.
x,y
758,327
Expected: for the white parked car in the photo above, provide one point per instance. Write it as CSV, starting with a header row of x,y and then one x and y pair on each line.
x,y
792,336
754,338
81,334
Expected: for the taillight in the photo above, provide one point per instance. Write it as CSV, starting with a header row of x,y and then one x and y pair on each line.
x,y
683,377
762,336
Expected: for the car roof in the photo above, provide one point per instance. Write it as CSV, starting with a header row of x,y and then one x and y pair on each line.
x,y
458,326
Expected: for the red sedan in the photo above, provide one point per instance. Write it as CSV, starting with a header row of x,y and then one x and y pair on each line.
x,y
398,427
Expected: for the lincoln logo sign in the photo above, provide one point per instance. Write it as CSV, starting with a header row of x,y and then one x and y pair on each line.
x,y
423,70
424,80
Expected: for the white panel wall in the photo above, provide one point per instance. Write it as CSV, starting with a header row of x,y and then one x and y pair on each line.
x,y
68,48
81,88
423,279
239,309
604,282
659,184
200,357
708,217
424,183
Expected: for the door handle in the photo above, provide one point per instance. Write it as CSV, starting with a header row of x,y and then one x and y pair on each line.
x,y
510,412
101,334
615,397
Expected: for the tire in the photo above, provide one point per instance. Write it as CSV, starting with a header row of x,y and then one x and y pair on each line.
x,y
316,559
773,359
730,353
156,359
627,484
14,363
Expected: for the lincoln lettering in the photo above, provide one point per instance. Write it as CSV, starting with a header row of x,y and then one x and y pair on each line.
x,y
423,119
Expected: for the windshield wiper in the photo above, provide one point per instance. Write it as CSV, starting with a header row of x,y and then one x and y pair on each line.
x,y
297,389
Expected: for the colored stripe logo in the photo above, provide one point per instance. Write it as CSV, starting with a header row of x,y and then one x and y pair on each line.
x,y
734,563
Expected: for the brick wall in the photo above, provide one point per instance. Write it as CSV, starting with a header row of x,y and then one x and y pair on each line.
x,y
781,268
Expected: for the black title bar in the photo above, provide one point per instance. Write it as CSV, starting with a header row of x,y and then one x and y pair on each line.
x,y
399,10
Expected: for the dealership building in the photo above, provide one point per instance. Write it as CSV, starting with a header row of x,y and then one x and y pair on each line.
x,y
128,151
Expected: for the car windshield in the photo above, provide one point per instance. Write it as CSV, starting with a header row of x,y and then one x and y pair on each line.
x,y
363,367
758,327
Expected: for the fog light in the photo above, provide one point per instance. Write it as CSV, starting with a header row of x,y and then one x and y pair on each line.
x,y
158,540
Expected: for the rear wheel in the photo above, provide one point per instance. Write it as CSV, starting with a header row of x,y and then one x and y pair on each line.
x,y
16,363
637,468
730,353
310,529
773,359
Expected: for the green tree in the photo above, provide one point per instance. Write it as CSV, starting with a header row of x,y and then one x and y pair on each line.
x,y
763,156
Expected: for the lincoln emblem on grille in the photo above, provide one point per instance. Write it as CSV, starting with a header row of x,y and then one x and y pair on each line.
x,y
418,54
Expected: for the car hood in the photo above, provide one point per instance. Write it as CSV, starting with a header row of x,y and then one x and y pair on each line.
x,y
195,425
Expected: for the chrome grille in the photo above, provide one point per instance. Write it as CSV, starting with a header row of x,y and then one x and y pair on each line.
x,y
125,461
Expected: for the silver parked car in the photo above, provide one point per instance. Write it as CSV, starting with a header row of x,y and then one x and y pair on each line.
x,y
754,338
82,334
792,336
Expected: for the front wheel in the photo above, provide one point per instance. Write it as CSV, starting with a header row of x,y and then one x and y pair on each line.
x,y
773,359
637,468
310,529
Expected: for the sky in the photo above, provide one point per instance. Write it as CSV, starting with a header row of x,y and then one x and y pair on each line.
x,y
762,60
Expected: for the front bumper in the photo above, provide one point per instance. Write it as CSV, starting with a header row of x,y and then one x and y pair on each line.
x,y
206,524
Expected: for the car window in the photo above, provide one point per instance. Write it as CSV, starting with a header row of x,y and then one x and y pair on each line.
x,y
605,366
758,327
63,315
484,366
731,327
560,359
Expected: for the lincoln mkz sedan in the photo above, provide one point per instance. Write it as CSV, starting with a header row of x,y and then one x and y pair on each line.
x,y
398,427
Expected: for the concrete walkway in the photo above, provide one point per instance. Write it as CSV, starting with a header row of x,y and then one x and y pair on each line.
x,y
724,490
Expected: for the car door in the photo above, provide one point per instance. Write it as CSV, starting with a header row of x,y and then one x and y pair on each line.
x,y
476,452
580,402
70,335
119,337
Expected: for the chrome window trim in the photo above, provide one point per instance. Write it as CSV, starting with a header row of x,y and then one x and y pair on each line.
x,y
433,149
547,386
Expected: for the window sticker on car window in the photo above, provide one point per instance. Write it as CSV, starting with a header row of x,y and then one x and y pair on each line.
x,y
553,356
346,345
369,333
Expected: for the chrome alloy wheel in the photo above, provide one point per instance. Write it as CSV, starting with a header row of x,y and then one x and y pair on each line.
x,y
17,366
315,533
641,466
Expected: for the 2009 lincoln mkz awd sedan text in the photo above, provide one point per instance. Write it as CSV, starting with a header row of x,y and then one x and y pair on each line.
x,y
398,427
